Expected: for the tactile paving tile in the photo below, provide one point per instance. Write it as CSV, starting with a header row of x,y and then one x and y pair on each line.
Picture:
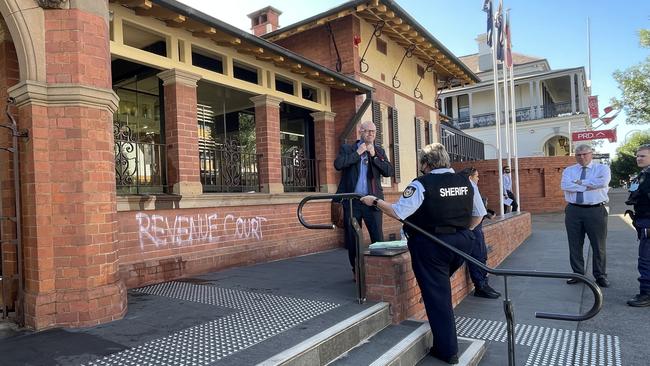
x,y
550,346
260,316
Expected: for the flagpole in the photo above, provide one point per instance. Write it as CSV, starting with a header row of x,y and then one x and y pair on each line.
x,y
506,109
515,151
497,116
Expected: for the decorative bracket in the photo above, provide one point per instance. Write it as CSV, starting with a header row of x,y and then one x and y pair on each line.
x,y
339,64
416,92
363,65
409,54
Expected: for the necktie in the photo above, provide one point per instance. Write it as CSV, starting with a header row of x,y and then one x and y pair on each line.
x,y
579,195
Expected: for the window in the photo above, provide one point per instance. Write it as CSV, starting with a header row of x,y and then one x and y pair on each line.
x,y
139,134
382,46
283,85
420,71
245,72
143,39
309,93
206,60
463,111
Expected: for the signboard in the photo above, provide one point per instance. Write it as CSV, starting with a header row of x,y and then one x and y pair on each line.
x,y
594,135
593,106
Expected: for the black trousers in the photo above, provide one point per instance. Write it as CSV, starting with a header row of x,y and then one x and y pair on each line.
x,y
514,205
479,252
433,265
591,221
362,213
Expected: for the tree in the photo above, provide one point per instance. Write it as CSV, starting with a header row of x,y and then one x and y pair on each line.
x,y
634,83
624,163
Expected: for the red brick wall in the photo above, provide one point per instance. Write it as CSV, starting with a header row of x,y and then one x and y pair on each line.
x,y
68,182
344,30
391,279
181,134
539,182
161,245
9,76
76,45
267,135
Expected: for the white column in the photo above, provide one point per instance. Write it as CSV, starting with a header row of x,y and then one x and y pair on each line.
x,y
531,100
573,93
471,118
581,94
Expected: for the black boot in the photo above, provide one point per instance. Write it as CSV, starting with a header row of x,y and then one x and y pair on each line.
x,y
486,292
639,300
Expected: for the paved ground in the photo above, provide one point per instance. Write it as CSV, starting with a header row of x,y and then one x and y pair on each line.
x,y
242,316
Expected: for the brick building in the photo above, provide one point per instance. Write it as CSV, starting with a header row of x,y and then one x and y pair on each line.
x,y
162,142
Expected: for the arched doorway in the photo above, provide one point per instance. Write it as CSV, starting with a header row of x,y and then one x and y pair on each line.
x,y
557,146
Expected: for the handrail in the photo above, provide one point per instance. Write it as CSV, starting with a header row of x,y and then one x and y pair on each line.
x,y
598,295
505,273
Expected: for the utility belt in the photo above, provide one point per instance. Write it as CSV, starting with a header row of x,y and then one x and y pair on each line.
x,y
436,230
641,224
587,206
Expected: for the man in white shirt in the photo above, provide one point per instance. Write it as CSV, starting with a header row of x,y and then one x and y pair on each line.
x,y
507,191
585,187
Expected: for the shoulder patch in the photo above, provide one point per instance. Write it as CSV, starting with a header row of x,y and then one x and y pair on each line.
x,y
408,192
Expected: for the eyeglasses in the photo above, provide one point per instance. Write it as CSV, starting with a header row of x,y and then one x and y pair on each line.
x,y
584,154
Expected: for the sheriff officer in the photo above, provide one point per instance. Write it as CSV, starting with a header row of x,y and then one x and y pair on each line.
x,y
442,203
640,199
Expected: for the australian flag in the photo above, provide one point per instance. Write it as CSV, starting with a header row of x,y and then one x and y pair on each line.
x,y
487,7
498,24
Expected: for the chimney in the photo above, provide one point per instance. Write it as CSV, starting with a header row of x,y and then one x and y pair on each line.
x,y
484,53
265,20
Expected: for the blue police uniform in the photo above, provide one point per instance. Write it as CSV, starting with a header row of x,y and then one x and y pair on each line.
x,y
640,199
442,203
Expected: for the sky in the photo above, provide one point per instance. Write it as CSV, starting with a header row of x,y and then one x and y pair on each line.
x,y
551,29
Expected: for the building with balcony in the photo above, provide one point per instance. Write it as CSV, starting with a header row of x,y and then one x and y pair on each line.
x,y
550,104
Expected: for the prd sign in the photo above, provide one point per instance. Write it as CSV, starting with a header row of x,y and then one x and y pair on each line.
x,y
594,135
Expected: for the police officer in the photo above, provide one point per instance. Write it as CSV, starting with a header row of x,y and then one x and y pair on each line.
x,y
442,203
640,199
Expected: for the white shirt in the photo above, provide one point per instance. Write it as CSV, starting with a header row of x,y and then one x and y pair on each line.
x,y
409,203
597,176
507,183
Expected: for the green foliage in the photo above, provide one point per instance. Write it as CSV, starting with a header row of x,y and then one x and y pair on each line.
x,y
644,37
624,163
634,83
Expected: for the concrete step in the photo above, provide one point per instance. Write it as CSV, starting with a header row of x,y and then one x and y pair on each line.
x,y
330,344
406,344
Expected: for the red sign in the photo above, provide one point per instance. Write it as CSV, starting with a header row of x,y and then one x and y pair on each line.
x,y
594,135
593,106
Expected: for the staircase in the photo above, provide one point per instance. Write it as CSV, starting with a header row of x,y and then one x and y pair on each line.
x,y
369,338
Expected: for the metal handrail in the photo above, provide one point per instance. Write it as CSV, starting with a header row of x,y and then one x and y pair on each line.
x,y
505,273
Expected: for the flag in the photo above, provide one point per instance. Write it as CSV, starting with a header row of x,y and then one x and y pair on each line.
x,y
607,120
498,24
508,59
608,109
487,7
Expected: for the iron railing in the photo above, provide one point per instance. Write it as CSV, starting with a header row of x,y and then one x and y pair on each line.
x,y
298,173
228,167
505,273
139,165
523,114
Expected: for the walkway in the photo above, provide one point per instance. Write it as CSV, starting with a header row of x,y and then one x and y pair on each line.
x,y
243,316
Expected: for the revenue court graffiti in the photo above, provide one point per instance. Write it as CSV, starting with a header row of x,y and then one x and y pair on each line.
x,y
184,230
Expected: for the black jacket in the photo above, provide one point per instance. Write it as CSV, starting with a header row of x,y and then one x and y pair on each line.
x,y
347,161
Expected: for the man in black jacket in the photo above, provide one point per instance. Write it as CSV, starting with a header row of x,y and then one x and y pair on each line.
x,y
362,164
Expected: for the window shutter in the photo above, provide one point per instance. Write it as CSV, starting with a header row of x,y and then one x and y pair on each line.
x,y
376,119
396,161
430,133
